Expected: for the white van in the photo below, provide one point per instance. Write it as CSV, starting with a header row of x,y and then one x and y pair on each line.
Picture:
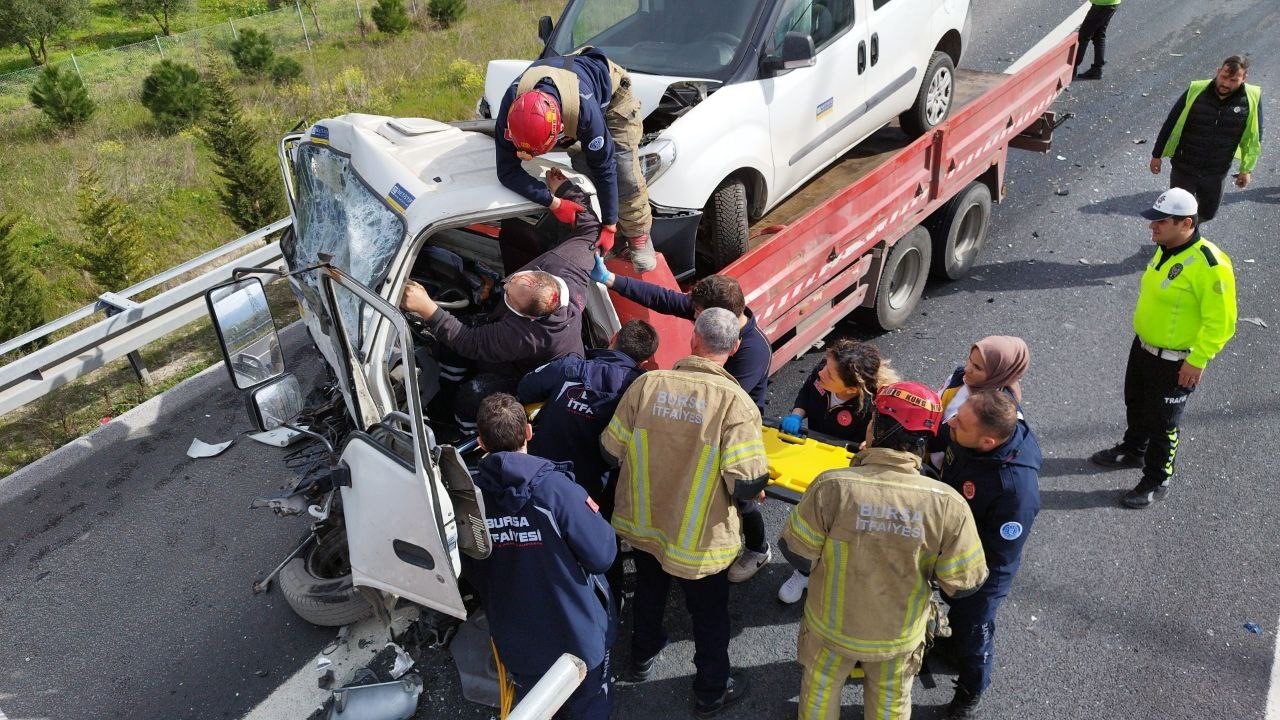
x,y
745,100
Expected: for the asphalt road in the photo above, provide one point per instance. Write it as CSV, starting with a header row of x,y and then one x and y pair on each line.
x,y
127,565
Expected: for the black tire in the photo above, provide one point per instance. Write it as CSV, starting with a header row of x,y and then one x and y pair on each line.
x,y
933,102
902,281
960,232
725,229
317,584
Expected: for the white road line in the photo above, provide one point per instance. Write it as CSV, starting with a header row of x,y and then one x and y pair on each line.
x,y
1066,27
1273,692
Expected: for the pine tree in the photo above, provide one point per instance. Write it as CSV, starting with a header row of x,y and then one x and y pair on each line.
x,y
252,196
61,95
174,95
252,52
112,248
22,295
390,16
446,12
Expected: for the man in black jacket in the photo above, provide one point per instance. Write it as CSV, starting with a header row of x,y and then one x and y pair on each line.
x,y
1212,122
993,460
540,319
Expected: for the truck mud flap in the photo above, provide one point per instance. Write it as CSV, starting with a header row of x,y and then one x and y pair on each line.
x,y
1038,137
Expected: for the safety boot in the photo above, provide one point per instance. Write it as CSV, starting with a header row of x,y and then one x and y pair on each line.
x,y
1093,73
1116,457
963,705
643,258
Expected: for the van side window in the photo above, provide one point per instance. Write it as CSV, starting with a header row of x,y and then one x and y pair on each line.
x,y
820,19
877,4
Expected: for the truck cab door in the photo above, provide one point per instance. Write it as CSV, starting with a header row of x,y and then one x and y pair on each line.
x,y
402,520
813,111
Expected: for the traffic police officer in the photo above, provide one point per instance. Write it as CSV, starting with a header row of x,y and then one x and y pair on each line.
x,y
993,460
1186,313
689,443
873,537
581,98
1205,130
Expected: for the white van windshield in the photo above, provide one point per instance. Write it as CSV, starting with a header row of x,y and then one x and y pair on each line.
x,y
691,38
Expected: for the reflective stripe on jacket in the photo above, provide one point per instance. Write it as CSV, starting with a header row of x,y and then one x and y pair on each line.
x,y
687,439
878,533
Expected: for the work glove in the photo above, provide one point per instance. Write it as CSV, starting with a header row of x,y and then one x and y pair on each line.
x,y
600,273
567,212
791,424
605,243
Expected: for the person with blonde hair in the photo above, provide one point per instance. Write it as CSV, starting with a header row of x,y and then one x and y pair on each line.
x,y
837,399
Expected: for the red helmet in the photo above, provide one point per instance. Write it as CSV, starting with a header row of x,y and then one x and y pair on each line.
x,y
914,405
533,122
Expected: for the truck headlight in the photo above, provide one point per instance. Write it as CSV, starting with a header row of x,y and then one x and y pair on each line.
x,y
655,158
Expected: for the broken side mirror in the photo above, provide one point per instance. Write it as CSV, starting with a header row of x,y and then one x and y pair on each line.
x,y
796,52
275,403
246,331
544,28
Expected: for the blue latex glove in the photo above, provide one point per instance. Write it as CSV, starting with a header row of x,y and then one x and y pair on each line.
x,y
600,273
791,424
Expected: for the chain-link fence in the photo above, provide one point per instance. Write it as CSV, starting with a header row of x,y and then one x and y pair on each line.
x,y
115,73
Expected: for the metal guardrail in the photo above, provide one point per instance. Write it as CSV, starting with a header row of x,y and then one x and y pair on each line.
x,y
129,326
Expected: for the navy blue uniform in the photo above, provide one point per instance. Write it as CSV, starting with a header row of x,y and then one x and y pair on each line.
x,y
1003,491
580,396
749,365
846,420
595,90
542,586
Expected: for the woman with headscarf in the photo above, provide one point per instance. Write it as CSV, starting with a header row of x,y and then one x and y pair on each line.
x,y
995,362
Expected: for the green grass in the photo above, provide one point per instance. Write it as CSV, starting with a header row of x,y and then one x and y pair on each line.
x,y
169,182
106,27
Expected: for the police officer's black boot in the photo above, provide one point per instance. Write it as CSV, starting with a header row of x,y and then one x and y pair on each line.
x,y
1093,73
963,705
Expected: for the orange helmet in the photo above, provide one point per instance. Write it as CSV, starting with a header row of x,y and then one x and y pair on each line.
x,y
914,405
533,122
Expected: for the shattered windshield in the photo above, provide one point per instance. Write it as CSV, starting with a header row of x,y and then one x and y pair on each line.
x,y
694,38
339,215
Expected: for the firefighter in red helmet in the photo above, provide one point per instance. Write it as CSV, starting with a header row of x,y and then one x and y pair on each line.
x,y
584,104
873,537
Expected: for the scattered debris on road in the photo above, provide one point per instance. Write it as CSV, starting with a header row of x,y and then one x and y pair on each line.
x,y
202,449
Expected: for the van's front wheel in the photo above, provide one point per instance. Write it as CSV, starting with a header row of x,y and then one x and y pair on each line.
x,y
724,232
933,102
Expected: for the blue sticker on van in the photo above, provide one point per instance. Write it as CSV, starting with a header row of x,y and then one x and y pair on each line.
x,y
825,108
400,198
320,135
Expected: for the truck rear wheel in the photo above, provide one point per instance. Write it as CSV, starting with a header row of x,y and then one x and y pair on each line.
x,y
906,270
961,231
933,102
724,232
317,584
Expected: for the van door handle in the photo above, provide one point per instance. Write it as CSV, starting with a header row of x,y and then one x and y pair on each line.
x,y
862,56
875,48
